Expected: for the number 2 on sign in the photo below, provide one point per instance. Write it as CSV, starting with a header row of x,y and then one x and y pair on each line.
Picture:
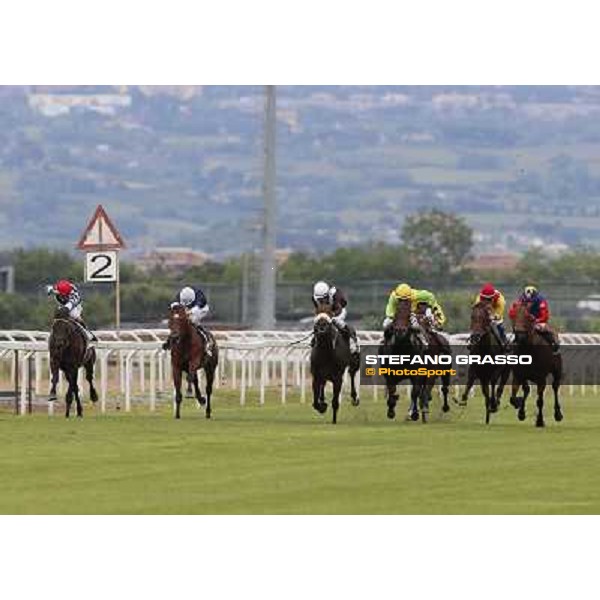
x,y
101,266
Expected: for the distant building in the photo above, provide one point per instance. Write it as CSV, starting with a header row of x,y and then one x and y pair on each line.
x,y
53,103
496,263
177,259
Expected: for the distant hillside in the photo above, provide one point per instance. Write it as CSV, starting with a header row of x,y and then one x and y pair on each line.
x,y
182,165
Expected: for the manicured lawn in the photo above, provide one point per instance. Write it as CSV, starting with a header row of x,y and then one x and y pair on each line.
x,y
287,459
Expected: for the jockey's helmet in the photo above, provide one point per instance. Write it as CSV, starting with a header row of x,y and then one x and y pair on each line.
x,y
187,295
530,292
487,291
321,290
403,292
64,287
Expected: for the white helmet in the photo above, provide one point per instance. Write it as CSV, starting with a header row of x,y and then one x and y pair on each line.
x,y
187,296
321,290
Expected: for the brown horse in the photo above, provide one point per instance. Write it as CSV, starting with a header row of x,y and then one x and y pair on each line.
x,y
68,352
401,339
483,342
436,346
188,354
329,359
529,342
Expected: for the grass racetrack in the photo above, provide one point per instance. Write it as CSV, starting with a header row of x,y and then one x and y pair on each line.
x,y
287,459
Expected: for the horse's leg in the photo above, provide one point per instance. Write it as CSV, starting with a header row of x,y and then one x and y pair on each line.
x,y
353,392
541,387
502,383
391,400
425,399
191,385
522,412
556,377
319,403
415,394
468,387
485,388
210,376
445,390
335,401
77,397
54,370
70,391
197,391
89,375
514,399
177,377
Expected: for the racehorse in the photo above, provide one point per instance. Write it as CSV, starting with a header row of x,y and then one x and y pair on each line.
x,y
188,354
529,342
483,342
398,340
436,347
329,359
68,352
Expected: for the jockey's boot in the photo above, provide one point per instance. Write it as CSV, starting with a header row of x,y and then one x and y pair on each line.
x,y
208,346
551,339
88,334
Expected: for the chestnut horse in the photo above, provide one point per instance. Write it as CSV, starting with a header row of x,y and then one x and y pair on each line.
x,y
483,342
188,354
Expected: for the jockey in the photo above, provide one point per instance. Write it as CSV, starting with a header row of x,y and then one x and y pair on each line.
x,y
197,307
495,299
402,292
324,294
433,311
68,296
539,309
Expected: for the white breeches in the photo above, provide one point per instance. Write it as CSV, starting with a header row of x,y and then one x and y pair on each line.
x,y
197,314
75,312
340,320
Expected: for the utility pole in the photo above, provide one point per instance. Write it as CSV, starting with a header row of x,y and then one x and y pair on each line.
x,y
267,276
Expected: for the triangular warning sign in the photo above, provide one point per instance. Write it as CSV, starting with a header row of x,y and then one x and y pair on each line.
x,y
100,233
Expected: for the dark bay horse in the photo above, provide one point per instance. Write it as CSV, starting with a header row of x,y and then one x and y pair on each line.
x,y
400,339
329,359
68,352
436,345
544,362
188,354
483,342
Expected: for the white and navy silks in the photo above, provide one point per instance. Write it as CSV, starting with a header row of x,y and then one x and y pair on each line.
x,y
198,308
73,302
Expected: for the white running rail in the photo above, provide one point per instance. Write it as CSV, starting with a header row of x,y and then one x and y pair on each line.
x,y
131,364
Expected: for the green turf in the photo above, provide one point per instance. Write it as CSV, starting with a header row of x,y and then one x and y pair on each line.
x,y
285,459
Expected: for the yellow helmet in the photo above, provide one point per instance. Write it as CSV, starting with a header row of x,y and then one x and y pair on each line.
x,y
403,292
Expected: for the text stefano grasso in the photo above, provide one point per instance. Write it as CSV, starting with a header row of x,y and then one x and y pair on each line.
x,y
446,359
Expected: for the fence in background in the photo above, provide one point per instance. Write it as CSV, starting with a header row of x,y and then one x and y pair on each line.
x,y
131,364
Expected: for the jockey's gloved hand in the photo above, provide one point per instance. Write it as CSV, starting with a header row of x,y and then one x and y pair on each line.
x,y
414,322
387,322
49,290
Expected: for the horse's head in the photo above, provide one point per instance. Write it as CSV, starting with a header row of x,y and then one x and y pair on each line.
x,y
523,324
401,322
481,320
179,322
324,329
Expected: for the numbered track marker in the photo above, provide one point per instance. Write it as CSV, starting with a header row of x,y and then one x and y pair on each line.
x,y
101,266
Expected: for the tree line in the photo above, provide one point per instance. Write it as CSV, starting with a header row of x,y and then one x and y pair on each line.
x,y
434,251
